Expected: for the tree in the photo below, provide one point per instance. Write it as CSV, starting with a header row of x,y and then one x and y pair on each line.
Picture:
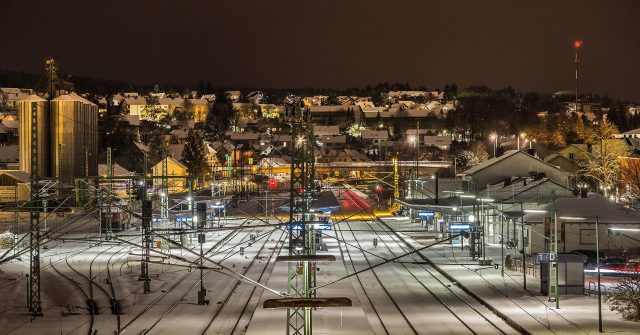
x,y
473,155
156,146
194,154
184,114
218,120
603,163
630,176
625,297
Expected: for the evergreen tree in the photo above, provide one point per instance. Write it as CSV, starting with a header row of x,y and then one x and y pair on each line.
x,y
194,154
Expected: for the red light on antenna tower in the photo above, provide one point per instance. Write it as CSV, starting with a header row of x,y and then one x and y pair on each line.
x,y
577,44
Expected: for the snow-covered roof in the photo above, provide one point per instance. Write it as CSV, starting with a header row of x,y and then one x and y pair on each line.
x,y
243,136
139,101
9,153
10,122
33,97
118,170
73,97
141,146
326,130
21,176
375,135
589,208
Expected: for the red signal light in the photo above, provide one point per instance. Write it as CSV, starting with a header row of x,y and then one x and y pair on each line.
x,y
577,44
273,184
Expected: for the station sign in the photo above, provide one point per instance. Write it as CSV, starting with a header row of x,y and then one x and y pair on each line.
x,y
547,257
427,214
317,225
458,226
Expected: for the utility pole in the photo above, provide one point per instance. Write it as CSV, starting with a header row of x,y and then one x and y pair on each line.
x,y
524,257
109,228
164,195
301,235
417,153
147,215
35,303
300,299
577,45
201,220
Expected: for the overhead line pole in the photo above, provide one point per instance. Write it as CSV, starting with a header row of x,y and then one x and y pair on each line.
x,y
35,303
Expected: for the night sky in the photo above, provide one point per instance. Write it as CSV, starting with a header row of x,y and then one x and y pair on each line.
x,y
310,43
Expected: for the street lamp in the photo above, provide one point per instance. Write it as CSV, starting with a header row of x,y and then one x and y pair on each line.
x,y
494,138
521,136
597,263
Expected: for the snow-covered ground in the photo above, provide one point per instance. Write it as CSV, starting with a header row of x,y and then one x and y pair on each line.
x,y
403,296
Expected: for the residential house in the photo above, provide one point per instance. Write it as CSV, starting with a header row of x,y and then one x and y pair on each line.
x,y
336,115
442,142
9,157
174,169
9,96
14,186
233,96
514,163
375,137
135,105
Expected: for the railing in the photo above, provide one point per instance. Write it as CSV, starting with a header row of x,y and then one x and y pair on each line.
x,y
594,291
532,270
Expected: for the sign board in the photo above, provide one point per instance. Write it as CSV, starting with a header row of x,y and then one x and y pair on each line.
x,y
322,226
428,214
547,257
458,226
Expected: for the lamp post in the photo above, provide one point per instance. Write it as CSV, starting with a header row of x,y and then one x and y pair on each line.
x,y
577,45
523,136
597,263
494,138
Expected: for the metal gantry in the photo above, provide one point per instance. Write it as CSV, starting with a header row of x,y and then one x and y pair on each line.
x,y
35,303
164,196
302,275
109,191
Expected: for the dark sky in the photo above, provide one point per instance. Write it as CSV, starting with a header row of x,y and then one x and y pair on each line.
x,y
343,43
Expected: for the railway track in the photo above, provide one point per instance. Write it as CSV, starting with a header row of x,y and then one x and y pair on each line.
x,y
463,309
234,290
389,323
215,249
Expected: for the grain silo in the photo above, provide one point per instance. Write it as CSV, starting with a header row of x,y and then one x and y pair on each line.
x,y
74,137
34,103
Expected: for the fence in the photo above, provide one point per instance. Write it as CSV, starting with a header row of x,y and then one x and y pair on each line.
x,y
532,270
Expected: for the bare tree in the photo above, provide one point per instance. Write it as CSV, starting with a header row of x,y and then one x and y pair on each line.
x,y
475,154
625,298
603,163
630,175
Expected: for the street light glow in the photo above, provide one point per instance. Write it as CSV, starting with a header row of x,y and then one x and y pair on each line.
x,y
535,211
625,229
571,218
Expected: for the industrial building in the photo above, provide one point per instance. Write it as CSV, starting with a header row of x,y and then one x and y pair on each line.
x,y
74,137
26,131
